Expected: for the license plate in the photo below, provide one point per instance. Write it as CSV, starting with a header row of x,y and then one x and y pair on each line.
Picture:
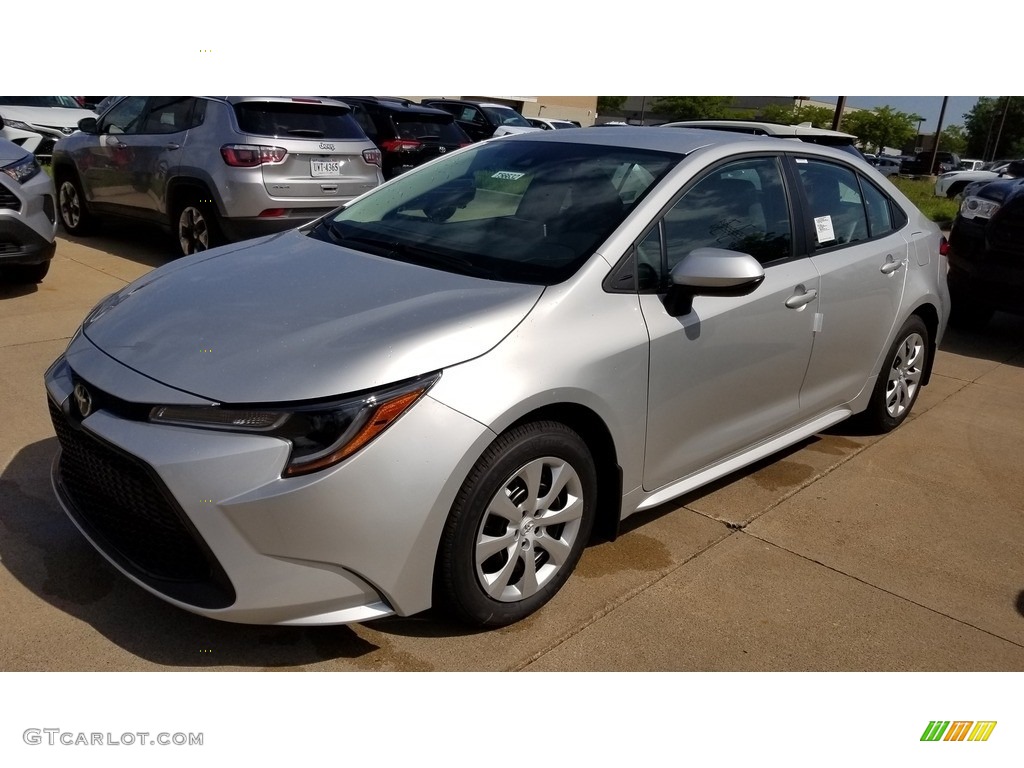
x,y
321,168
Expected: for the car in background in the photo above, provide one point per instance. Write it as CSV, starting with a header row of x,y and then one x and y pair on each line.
x,y
887,166
922,164
967,164
213,169
953,183
986,250
802,132
436,394
38,122
483,120
28,221
551,123
408,134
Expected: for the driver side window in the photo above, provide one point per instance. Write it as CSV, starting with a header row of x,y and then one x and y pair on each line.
x,y
125,117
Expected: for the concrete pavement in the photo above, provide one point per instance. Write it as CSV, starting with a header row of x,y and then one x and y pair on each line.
x,y
847,552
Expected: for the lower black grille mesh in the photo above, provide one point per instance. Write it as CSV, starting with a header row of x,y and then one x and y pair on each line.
x,y
126,511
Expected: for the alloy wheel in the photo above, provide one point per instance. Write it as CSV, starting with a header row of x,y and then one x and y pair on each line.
x,y
904,375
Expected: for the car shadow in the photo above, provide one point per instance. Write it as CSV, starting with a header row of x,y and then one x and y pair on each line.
x,y
143,243
10,290
43,550
1001,341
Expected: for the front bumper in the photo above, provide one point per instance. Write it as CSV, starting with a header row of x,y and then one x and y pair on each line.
x,y
204,520
28,220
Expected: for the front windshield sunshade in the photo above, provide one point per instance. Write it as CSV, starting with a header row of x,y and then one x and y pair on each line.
x,y
528,211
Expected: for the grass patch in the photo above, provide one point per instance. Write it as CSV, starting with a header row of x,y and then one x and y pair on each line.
x,y
921,192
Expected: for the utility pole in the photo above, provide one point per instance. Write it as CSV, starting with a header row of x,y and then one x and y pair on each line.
x,y
837,119
1002,121
938,132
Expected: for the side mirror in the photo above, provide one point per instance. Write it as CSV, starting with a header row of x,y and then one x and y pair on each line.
x,y
87,125
1,122
711,272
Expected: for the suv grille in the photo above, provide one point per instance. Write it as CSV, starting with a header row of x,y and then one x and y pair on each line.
x,y
131,517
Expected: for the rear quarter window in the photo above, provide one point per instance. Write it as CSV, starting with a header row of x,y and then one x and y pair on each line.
x,y
297,120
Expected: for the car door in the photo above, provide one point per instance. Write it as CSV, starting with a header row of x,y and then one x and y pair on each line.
x,y
104,164
728,373
862,259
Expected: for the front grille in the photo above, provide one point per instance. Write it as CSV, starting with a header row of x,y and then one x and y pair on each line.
x,y
9,200
128,512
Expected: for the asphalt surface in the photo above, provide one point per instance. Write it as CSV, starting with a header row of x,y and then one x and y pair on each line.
x,y
847,552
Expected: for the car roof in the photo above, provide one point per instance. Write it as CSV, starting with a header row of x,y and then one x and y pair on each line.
x,y
395,104
678,140
770,129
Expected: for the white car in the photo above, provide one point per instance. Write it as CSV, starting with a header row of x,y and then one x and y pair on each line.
x,y
36,123
550,123
951,184
971,165
802,132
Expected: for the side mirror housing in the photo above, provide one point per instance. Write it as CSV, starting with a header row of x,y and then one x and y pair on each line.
x,y
711,272
87,125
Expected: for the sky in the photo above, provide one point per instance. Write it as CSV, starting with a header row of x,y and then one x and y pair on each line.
x,y
926,106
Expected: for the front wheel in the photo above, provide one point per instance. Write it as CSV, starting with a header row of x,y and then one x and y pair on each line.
x,y
74,216
518,526
899,382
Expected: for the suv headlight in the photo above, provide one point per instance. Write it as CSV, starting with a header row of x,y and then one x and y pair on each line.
x,y
321,434
978,208
22,170
20,125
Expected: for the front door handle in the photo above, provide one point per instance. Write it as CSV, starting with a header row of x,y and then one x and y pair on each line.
x,y
891,266
172,145
798,300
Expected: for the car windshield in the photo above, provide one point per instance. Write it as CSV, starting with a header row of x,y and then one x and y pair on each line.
x,y
428,128
39,101
506,116
528,212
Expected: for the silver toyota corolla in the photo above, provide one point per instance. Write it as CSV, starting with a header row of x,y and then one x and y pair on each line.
x,y
439,393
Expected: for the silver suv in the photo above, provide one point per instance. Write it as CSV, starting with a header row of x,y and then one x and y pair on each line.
x,y
213,169
28,225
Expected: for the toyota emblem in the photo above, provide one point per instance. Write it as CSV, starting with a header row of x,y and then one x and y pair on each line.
x,y
442,150
83,399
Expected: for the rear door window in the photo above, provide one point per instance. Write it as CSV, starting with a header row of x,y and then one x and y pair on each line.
x,y
297,120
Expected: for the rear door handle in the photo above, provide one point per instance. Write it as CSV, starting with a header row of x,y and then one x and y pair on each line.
x,y
891,266
798,300
172,145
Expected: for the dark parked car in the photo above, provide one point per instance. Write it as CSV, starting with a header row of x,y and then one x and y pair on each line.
x,y
986,258
408,134
918,165
482,120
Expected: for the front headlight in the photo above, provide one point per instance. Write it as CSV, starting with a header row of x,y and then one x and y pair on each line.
x,y
321,434
22,170
19,125
978,208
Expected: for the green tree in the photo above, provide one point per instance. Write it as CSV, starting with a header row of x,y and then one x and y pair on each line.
x,y
881,127
691,107
982,123
819,117
953,139
607,104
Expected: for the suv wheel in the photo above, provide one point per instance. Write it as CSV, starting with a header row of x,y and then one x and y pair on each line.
x,y
195,225
71,204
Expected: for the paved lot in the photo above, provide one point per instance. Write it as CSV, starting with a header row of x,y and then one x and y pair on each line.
x,y
849,552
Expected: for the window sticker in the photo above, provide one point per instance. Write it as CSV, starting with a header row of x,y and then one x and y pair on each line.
x,y
508,175
823,226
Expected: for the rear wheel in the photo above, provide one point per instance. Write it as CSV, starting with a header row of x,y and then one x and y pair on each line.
x,y
518,526
899,382
195,225
74,217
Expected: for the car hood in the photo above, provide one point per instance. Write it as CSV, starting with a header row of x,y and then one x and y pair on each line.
x,y
289,317
11,152
61,117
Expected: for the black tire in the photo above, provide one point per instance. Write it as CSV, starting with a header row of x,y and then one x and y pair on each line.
x,y
71,206
195,225
900,380
955,189
28,273
498,590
